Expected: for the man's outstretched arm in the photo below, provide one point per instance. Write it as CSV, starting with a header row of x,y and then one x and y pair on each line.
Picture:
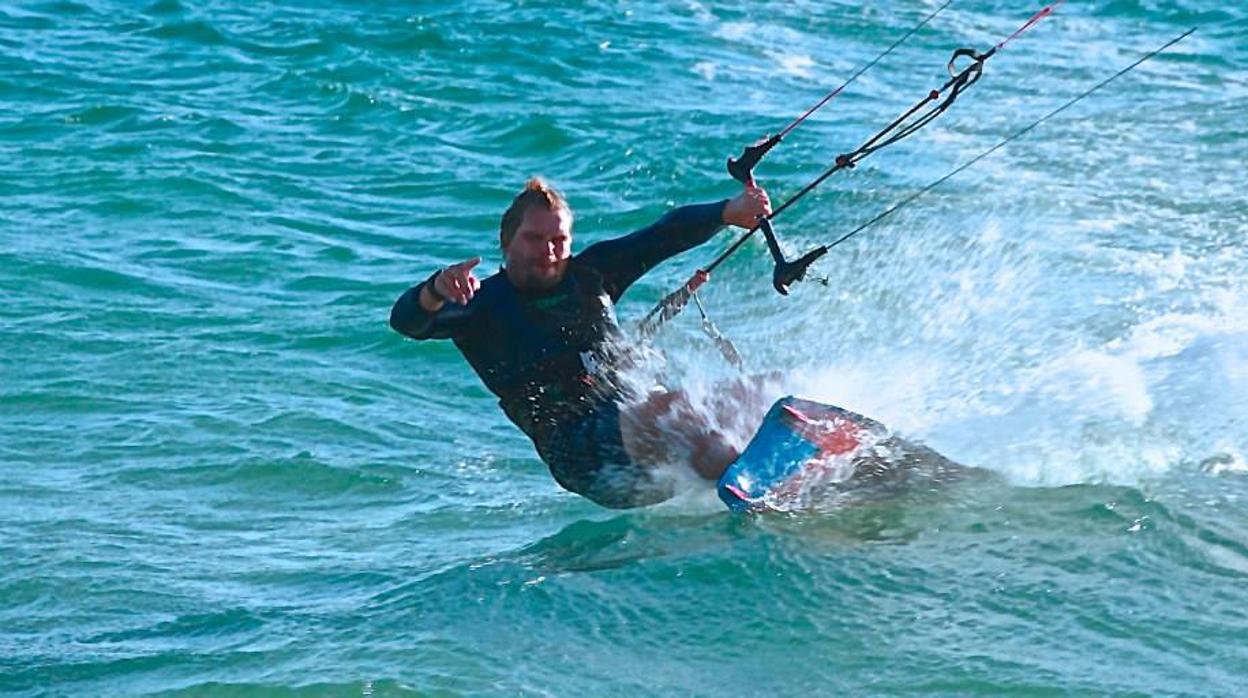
x,y
437,308
625,259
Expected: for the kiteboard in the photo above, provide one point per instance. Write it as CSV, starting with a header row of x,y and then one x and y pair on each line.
x,y
800,443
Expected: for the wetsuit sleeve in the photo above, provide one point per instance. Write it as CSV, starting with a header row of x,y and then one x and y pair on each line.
x,y
408,318
623,260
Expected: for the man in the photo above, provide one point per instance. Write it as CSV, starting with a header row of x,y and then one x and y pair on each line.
x,y
542,335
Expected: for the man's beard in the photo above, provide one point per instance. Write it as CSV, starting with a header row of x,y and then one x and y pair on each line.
x,y
533,280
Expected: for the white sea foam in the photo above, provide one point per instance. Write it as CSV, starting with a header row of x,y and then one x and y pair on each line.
x,y
706,69
795,64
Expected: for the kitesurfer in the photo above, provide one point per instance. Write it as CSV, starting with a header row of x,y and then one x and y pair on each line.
x,y
542,335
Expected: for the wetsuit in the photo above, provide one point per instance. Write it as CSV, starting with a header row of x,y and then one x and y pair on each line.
x,y
553,357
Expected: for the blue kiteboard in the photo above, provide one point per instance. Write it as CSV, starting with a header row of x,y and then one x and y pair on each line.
x,y
798,442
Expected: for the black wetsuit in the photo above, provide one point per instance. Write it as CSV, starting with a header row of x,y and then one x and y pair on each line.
x,y
553,357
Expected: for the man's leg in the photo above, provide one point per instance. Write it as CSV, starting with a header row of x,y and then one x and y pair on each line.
x,y
655,429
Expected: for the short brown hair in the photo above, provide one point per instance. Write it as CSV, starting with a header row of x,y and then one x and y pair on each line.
x,y
537,192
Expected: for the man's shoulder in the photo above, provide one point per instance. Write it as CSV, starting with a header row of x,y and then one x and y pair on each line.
x,y
593,257
476,320
494,283
495,289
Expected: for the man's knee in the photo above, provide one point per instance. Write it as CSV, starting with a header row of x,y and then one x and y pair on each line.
x,y
712,454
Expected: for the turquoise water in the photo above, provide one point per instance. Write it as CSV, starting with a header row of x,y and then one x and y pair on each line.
x,y
222,474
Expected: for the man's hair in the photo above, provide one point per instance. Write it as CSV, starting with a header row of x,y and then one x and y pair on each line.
x,y
536,193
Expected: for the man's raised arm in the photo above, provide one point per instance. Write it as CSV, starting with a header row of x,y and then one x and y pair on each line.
x,y
625,259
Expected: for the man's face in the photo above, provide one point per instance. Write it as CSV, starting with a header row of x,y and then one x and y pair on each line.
x,y
538,255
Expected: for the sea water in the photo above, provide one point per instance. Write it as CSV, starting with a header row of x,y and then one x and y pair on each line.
x,y
221,473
